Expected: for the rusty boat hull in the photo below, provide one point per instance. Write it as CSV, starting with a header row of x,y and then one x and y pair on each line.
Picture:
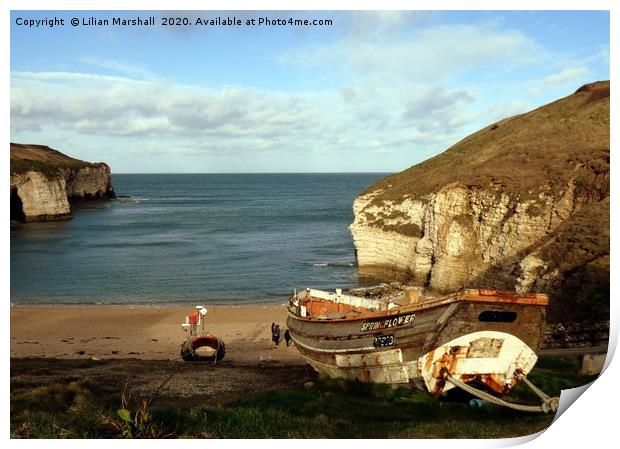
x,y
482,336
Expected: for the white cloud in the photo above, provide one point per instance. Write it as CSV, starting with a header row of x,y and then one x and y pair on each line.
x,y
435,109
430,53
568,75
124,68
602,55
158,117
365,24
401,94
113,106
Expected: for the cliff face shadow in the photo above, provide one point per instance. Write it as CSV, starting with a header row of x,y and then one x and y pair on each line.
x,y
581,295
17,207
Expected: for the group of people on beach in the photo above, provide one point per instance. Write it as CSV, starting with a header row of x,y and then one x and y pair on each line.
x,y
275,334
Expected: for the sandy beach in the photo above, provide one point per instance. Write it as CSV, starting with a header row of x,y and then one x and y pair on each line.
x,y
147,333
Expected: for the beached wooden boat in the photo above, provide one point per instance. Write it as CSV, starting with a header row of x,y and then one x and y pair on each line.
x,y
479,337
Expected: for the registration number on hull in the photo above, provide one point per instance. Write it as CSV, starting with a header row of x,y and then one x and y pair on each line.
x,y
383,340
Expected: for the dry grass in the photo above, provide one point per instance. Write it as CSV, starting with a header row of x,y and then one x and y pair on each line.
x,y
521,155
41,158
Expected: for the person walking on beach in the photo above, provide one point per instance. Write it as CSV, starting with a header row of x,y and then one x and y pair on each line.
x,y
287,337
275,334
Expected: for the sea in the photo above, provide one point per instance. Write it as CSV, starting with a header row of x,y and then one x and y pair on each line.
x,y
194,238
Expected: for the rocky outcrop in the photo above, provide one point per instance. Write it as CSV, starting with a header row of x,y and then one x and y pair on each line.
x,y
93,182
576,335
521,205
34,197
44,182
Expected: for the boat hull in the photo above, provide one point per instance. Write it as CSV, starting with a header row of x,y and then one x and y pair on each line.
x,y
476,339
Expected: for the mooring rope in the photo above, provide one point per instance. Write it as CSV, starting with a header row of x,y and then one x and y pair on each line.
x,y
549,404
156,392
178,368
217,351
541,394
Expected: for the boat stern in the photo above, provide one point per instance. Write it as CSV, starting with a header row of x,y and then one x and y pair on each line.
x,y
488,357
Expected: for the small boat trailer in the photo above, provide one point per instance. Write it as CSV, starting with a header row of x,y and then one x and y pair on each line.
x,y
199,345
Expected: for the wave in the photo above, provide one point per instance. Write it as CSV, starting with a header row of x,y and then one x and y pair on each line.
x,y
160,243
333,264
126,199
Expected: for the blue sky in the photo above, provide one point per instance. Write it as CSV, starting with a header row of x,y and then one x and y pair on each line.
x,y
376,91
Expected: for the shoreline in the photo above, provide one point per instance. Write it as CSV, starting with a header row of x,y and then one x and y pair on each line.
x,y
163,305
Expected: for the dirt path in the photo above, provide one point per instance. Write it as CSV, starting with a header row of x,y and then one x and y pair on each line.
x,y
200,382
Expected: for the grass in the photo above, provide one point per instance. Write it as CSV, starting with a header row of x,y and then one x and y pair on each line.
x,y
21,166
42,159
56,411
330,409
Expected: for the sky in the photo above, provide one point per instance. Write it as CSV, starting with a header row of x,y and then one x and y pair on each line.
x,y
375,91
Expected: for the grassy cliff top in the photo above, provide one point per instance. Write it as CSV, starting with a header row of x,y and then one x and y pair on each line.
x,y
41,158
545,148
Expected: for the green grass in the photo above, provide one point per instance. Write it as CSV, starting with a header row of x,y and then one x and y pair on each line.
x,y
331,409
361,412
42,159
21,166
56,411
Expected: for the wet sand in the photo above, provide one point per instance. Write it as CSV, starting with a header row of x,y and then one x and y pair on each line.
x,y
147,333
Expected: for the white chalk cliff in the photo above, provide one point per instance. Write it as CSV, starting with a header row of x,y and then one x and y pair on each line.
x,y
44,183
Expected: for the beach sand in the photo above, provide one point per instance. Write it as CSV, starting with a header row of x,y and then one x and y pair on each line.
x,y
147,333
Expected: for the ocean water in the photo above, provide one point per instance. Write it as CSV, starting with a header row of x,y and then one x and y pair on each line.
x,y
216,238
